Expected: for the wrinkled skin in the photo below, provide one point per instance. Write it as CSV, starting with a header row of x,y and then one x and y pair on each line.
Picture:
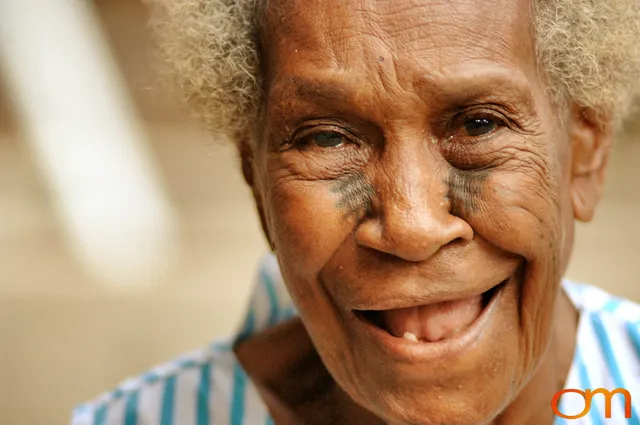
x,y
409,150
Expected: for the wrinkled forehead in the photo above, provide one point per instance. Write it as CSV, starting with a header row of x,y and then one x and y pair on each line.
x,y
428,35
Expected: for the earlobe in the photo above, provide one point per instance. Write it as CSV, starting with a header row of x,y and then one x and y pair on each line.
x,y
584,198
246,158
248,172
591,139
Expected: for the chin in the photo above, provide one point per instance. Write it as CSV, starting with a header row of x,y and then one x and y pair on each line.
x,y
467,378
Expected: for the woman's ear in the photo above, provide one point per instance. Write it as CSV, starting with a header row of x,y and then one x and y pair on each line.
x,y
246,157
246,151
591,139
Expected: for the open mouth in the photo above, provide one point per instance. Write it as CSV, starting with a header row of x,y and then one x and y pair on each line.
x,y
432,322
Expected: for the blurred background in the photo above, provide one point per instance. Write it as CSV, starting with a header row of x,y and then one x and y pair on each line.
x,y
126,234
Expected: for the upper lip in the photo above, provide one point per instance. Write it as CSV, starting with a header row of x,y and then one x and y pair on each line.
x,y
403,300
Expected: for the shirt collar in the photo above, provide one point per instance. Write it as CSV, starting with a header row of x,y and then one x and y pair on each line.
x,y
270,303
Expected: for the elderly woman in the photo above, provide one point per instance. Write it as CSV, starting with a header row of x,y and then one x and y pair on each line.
x,y
417,167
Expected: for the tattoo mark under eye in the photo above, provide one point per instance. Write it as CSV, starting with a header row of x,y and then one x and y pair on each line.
x,y
465,188
356,194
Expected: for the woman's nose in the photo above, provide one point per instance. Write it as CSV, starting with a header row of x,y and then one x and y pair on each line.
x,y
411,217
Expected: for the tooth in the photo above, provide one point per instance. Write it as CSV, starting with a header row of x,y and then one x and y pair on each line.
x,y
410,336
453,332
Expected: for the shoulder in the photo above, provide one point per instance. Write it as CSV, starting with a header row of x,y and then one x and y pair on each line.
x,y
608,340
190,389
206,386
598,304
612,321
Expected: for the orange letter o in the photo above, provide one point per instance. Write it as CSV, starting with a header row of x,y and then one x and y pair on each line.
x,y
556,400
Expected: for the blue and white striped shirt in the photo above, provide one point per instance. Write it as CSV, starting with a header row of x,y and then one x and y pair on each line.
x,y
210,387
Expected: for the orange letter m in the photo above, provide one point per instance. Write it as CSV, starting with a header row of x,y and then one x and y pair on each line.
x,y
608,395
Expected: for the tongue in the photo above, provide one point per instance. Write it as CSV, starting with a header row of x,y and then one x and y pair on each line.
x,y
433,322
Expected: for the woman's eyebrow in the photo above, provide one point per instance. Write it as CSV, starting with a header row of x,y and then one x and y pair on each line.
x,y
511,89
297,98
326,91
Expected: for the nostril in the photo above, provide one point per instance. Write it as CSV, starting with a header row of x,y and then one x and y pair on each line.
x,y
460,241
412,235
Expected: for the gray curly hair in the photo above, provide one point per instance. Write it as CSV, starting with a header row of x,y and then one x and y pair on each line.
x,y
589,51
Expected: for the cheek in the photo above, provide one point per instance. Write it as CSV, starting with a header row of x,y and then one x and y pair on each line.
x,y
306,227
521,210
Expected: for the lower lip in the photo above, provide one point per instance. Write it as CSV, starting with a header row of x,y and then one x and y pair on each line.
x,y
408,350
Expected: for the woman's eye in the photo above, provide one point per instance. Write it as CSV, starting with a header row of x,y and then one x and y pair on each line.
x,y
476,127
327,139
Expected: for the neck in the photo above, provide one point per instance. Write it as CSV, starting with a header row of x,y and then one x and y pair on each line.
x,y
532,405
293,381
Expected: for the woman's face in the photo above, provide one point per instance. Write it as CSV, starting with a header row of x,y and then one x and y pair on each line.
x,y
419,190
